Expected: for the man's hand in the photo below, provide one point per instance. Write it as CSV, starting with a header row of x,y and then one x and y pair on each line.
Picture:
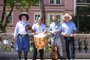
x,y
68,35
35,33
72,35
53,33
65,34
44,32
15,38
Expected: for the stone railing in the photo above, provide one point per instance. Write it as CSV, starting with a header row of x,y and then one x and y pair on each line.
x,y
81,37
9,36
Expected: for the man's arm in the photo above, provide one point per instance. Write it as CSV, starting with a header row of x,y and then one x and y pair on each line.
x,y
15,32
68,35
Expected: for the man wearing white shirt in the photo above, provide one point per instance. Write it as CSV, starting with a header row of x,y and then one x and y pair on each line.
x,y
21,36
39,27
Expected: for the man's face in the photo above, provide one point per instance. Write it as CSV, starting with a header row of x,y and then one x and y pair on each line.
x,y
54,18
67,18
40,21
24,18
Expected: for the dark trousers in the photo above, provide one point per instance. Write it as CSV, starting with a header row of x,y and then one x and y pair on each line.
x,y
20,53
70,47
41,51
22,45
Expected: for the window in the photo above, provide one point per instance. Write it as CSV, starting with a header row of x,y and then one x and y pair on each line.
x,y
84,1
49,16
36,16
57,1
51,1
54,1
58,18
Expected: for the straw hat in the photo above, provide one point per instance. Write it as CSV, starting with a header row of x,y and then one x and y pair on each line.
x,y
20,16
67,15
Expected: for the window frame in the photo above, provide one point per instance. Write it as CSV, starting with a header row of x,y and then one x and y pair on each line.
x,y
48,17
55,2
36,13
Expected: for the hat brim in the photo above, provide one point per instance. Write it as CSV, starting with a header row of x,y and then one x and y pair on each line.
x,y
67,15
20,16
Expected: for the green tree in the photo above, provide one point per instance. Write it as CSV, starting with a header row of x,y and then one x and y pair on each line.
x,y
19,4
83,15
4,20
24,5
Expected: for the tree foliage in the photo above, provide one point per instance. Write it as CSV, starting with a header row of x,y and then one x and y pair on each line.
x,y
20,4
25,4
83,15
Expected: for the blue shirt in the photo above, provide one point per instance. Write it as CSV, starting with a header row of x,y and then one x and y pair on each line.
x,y
20,28
55,27
39,28
68,27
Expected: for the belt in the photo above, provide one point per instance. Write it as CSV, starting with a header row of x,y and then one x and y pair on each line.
x,y
68,37
23,35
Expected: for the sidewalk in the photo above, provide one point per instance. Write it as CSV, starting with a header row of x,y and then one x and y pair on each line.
x,y
46,55
59,59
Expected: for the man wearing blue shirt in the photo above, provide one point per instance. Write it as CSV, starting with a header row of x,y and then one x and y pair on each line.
x,y
55,29
68,31
21,36
39,27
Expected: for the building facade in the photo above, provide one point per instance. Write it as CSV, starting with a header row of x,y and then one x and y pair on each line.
x,y
52,7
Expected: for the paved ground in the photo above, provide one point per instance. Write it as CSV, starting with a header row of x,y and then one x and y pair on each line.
x,y
45,59
58,59
13,56
46,55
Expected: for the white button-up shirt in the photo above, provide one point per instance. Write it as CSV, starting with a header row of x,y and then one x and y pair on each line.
x,y
20,28
39,28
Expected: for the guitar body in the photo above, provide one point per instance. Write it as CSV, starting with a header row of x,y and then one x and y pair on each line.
x,y
27,28
54,53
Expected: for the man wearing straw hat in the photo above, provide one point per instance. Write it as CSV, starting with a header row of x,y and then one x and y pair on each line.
x,y
21,36
68,31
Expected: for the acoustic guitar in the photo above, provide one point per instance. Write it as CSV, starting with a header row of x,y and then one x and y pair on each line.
x,y
54,53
